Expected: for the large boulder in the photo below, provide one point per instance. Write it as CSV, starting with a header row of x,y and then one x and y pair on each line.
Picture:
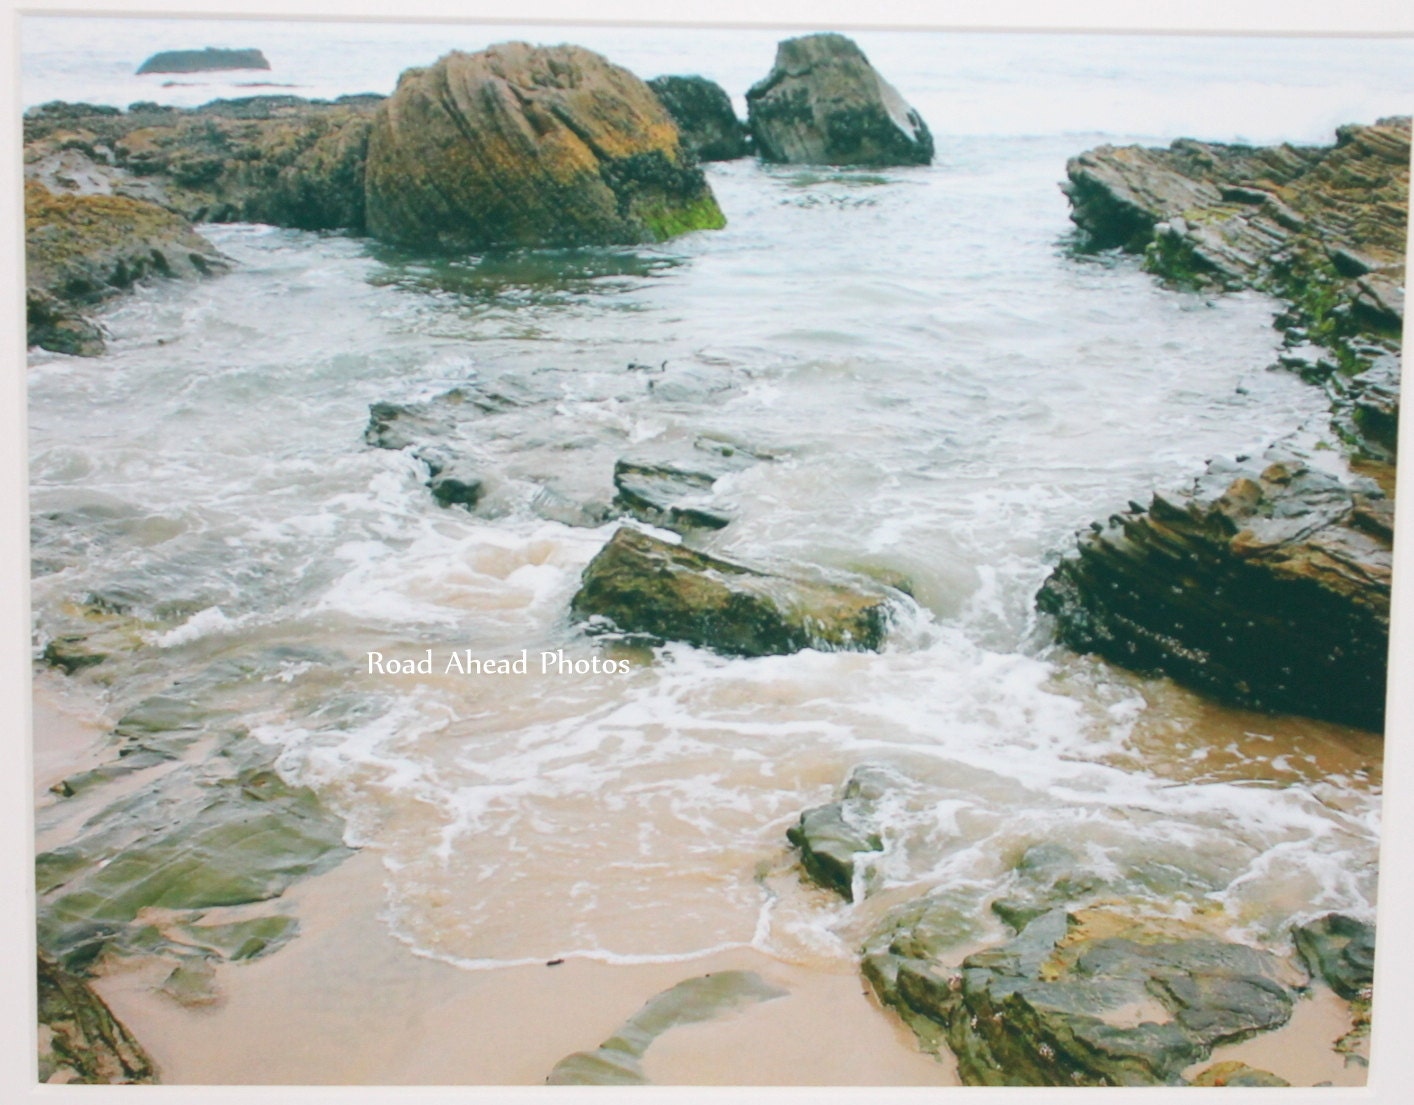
x,y
521,145
81,249
824,104
1267,583
704,115
647,586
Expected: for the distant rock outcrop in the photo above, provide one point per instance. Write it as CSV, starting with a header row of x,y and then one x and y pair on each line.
x,y
209,60
521,145
824,104
704,115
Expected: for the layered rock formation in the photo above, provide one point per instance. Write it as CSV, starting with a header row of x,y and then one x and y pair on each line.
x,y
824,104
1094,998
1268,582
80,1041
529,146
703,113
646,586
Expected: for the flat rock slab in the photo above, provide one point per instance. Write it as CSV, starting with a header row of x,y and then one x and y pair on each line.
x,y
618,1060
644,585
1089,999
824,104
1266,583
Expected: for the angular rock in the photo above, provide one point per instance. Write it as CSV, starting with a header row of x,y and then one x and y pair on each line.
x,y
704,115
1263,584
1091,999
81,250
1233,1073
832,837
209,60
644,585
824,104
1340,950
79,1038
529,146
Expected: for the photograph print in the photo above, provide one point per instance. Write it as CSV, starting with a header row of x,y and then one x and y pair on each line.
x,y
708,556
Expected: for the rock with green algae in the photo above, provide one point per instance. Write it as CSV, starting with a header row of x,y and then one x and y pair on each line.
x,y
832,838
528,146
79,1038
183,837
83,249
618,1060
1093,998
824,104
644,585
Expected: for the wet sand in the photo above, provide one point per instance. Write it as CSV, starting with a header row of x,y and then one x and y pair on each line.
x,y
346,1003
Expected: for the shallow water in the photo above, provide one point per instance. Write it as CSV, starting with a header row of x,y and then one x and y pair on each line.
x,y
948,391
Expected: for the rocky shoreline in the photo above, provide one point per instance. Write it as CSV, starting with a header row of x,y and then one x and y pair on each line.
x,y
1266,583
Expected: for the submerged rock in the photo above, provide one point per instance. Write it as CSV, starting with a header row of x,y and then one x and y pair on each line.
x,y
1089,999
1265,584
521,145
676,493
618,1060
209,60
79,1038
644,585
832,837
824,104
703,113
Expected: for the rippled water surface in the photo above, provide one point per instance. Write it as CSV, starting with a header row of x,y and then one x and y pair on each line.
x,y
948,391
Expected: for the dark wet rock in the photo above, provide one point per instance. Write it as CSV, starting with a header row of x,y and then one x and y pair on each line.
x,y
832,837
676,493
618,1060
83,249
1264,584
1233,1073
1089,999
824,104
1048,875
529,146
79,1038
455,484
209,60
221,828
704,115
643,585
1341,951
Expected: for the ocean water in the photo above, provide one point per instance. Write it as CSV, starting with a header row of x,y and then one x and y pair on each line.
x,y
949,392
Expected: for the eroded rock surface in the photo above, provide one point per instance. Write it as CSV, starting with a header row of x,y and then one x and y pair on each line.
x,y
1088,999
83,249
1266,583
824,104
79,1038
521,145
644,585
